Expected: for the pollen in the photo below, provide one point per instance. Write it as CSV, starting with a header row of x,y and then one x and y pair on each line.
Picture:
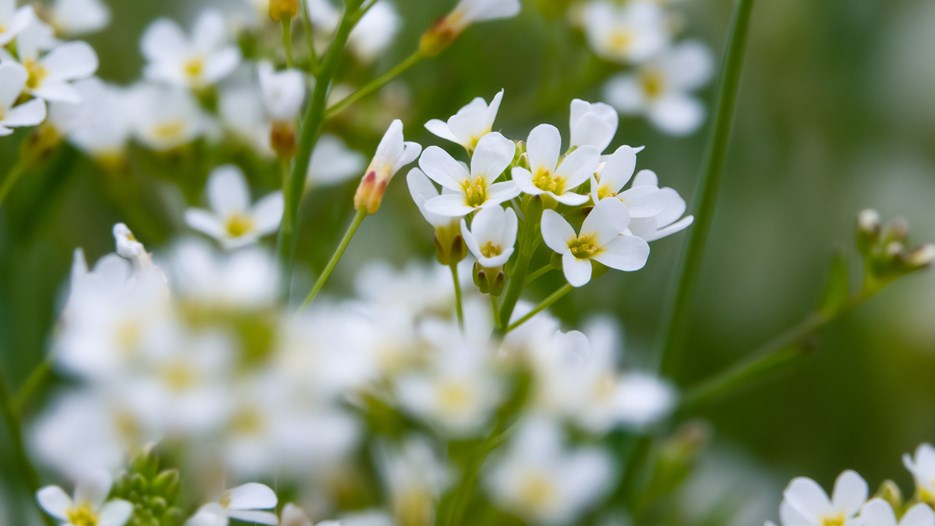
x,y
837,520
238,225
475,191
537,492
621,41
584,247
455,396
654,83
545,180
37,73
490,250
194,67
604,191
82,515
170,130
179,377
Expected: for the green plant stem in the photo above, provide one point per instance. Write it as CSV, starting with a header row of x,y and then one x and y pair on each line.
x,y
313,63
33,383
312,126
495,309
545,269
287,41
676,312
529,242
12,177
546,303
28,474
335,258
459,304
375,84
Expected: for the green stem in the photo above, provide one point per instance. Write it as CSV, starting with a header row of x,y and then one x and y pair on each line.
x,y
375,84
539,273
312,126
529,242
33,383
287,41
546,303
28,473
12,177
313,64
676,312
459,302
335,258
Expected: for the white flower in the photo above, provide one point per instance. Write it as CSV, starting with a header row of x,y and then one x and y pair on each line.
x,y
669,220
660,89
283,92
99,125
244,115
128,246
879,512
233,220
922,467
164,118
627,33
469,12
89,505
469,124
805,503
643,201
392,154
592,124
414,474
13,78
423,190
372,34
467,191
13,20
52,67
79,17
333,162
543,481
492,236
601,239
241,503
196,62
551,175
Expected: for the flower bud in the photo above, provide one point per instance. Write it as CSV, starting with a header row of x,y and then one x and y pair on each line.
x,y
283,10
489,280
868,230
921,257
449,245
370,193
282,139
891,493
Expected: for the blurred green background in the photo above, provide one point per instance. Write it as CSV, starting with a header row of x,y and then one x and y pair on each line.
x,y
837,113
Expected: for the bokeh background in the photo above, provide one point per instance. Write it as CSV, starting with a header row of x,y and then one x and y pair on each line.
x,y
836,114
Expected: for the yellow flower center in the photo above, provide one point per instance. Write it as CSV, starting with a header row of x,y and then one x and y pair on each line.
x,y
194,67
475,191
837,520
455,396
179,377
584,247
128,335
537,492
653,82
170,130
490,250
247,422
82,515
36,74
238,225
545,180
604,192
620,41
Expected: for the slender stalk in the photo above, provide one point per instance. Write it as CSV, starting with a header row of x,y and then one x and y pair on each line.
x,y
28,474
546,303
335,258
313,63
532,213
459,302
312,125
375,84
495,309
676,312
287,41
545,269
12,177
33,382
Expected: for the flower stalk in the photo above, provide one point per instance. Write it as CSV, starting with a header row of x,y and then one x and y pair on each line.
x,y
335,258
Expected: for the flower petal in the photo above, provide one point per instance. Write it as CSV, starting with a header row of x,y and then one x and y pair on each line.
x,y
164,40
74,60
500,192
493,155
267,213
919,515
115,513
626,253
579,166
850,492
577,271
677,114
204,222
619,169
440,129
14,80
556,231
93,488
448,205
544,147
251,496
523,180
227,191
807,497
608,219
54,501
257,517
442,168
27,114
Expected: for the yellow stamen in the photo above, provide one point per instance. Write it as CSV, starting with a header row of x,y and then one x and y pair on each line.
x,y
653,82
170,130
837,520
545,180
455,396
194,67
605,192
238,225
36,73
82,515
490,250
537,492
584,247
620,41
475,191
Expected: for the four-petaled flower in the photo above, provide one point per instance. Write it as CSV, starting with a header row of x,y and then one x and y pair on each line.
x,y
492,236
469,124
804,502
89,506
548,173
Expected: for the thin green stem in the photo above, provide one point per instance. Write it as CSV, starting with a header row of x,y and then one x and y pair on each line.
x,y
459,302
287,41
312,126
676,312
545,269
546,303
33,383
495,309
308,30
28,473
529,242
12,177
375,84
335,258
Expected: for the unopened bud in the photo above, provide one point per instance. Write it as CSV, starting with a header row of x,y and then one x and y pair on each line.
x,y
489,280
896,230
869,221
449,244
370,193
282,139
891,493
438,38
283,10
921,257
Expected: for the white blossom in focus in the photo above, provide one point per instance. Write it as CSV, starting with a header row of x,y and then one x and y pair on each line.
x,y
552,174
469,124
492,236
245,503
592,124
805,503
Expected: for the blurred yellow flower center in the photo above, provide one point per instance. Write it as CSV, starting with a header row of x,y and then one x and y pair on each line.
x,y
537,492
490,250
621,41
544,179
833,521
475,191
179,377
248,422
36,74
584,247
654,83
225,500
128,335
82,515
604,191
455,396
238,225
170,130
194,67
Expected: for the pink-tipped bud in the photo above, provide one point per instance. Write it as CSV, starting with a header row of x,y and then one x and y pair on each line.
x,y
370,193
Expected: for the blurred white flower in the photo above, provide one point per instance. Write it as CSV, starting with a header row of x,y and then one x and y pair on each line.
x,y
13,78
243,114
592,124
643,201
52,66
165,118
661,88
89,505
198,61
804,502
922,467
670,218
333,162
468,190
492,236
415,475
233,220
551,174
98,125
372,35
543,481
879,512
631,32
601,239
469,12
392,154
79,17
13,20
244,503
469,124
283,92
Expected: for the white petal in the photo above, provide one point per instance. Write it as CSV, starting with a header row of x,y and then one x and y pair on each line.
x,y
918,515
577,271
807,497
74,60
448,205
619,169
556,232
54,500
878,512
164,41
544,147
643,201
93,488
626,253
251,496
293,515
27,114
14,80
256,517
443,168
570,199
607,220
493,155
488,224
204,222
411,151
221,64
267,213
470,240
115,513
440,129
579,166
674,228
56,91
510,229
523,180
209,32
689,65
227,191
677,114
850,492
624,93
501,192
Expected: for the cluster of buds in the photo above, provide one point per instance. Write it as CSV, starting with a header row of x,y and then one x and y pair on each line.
x,y
885,248
153,492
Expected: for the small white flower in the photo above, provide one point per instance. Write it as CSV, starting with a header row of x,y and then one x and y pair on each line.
x,y
423,190
492,236
89,505
283,92
243,503
13,20
13,78
804,502
551,175
643,201
628,33
414,474
53,67
333,162
79,17
469,12
197,61
164,118
99,125
469,124
669,220
592,124
392,154
879,512
922,467
372,34
467,191
601,239
233,220
660,89
244,116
